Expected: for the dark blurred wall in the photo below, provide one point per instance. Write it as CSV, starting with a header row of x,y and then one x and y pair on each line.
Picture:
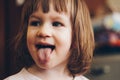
x,y
9,24
2,33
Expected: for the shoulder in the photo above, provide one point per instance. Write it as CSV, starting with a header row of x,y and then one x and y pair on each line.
x,y
22,75
17,76
81,78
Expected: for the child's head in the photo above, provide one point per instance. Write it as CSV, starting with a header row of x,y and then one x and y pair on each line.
x,y
82,42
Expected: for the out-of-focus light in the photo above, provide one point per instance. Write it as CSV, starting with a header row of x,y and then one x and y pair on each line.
x,y
19,2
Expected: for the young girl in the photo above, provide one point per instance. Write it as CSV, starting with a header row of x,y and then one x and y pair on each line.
x,y
55,40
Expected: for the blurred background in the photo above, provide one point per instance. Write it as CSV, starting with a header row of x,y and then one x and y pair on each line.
x,y
105,16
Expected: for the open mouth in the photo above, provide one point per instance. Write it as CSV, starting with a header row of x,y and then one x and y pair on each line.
x,y
44,52
39,46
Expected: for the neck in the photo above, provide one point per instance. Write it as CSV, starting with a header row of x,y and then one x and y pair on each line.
x,y
51,74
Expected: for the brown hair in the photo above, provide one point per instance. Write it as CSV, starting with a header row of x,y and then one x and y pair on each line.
x,y
82,37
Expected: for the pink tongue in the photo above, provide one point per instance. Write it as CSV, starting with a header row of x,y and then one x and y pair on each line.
x,y
44,54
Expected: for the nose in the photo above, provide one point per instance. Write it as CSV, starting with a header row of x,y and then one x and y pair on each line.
x,y
44,31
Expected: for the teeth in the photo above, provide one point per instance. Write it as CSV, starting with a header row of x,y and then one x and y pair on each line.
x,y
45,46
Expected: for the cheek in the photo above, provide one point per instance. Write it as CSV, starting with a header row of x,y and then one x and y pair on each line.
x,y
30,36
30,43
30,39
65,39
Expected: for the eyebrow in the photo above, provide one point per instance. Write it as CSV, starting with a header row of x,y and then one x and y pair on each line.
x,y
34,16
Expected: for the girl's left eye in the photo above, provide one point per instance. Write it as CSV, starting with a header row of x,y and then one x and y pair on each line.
x,y
57,24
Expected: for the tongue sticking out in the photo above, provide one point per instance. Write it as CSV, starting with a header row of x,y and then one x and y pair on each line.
x,y
44,54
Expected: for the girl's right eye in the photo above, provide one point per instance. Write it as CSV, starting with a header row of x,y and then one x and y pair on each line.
x,y
35,23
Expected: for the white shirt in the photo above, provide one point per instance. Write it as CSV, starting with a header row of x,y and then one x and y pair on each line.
x,y
25,75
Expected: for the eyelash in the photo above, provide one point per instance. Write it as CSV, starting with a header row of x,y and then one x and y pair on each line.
x,y
57,24
35,23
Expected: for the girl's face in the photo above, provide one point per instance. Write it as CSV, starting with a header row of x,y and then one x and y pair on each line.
x,y
49,38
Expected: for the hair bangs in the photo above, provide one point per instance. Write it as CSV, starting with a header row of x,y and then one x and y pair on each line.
x,y
33,5
60,5
29,7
